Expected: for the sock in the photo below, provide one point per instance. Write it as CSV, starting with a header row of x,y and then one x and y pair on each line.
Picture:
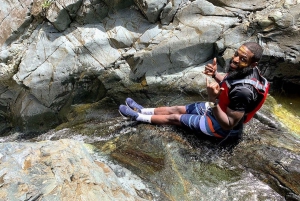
x,y
144,118
148,111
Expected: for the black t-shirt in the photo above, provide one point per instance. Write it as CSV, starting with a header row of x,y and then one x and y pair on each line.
x,y
244,97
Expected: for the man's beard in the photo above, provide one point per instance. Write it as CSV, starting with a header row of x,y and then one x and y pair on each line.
x,y
239,73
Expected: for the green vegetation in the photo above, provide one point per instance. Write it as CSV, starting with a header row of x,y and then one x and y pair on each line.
x,y
47,4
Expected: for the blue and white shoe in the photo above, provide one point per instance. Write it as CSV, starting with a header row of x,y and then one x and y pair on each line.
x,y
127,112
133,105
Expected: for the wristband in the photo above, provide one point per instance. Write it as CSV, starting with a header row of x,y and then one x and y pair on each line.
x,y
213,104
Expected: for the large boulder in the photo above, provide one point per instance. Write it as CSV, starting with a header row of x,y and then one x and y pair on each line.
x,y
57,170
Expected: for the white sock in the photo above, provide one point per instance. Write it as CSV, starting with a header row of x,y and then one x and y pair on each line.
x,y
148,111
144,118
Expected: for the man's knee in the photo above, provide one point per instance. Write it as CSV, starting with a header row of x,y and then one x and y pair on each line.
x,y
178,109
175,118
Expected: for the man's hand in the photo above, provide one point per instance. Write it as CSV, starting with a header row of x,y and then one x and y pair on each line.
x,y
210,69
213,90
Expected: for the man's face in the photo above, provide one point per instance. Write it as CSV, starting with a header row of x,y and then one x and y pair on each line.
x,y
241,59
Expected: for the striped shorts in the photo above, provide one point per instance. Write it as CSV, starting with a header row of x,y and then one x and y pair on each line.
x,y
199,117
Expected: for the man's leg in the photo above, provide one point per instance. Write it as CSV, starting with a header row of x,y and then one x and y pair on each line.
x,y
167,115
170,110
170,119
154,111
161,115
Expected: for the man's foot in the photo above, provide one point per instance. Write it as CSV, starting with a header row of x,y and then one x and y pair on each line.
x,y
126,111
133,105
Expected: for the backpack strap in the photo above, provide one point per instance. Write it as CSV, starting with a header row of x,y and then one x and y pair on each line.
x,y
254,82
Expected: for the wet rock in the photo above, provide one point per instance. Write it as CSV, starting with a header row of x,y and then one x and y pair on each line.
x,y
275,164
76,61
56,170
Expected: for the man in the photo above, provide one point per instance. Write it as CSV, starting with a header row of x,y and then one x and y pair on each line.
x,y
233,99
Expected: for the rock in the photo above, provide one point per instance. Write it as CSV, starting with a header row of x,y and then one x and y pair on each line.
x,y
57,170
109,49
59,68
169,11
151,8
281,26
247,5
118,5
14,18
125,28
92,12
58,16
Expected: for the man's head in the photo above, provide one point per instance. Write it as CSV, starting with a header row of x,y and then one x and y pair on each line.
x,y
256,49
244,59
247,55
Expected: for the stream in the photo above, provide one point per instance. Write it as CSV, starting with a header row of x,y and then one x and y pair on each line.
x,y
170,163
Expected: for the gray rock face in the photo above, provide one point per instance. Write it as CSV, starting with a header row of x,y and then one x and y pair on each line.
x,y
14,17
247,5
58,170
112,45
151,8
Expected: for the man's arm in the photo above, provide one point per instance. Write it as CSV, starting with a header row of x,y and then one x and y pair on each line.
x,y
218,77
228,119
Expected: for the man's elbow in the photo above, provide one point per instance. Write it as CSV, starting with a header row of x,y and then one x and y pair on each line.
x,y
227,127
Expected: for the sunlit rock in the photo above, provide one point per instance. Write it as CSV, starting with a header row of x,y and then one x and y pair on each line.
x,y
57,170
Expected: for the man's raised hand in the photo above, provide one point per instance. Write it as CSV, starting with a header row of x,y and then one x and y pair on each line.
x,y
210,69
213,90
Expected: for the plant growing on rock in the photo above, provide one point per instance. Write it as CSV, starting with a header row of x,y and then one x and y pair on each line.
x,y
46,4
